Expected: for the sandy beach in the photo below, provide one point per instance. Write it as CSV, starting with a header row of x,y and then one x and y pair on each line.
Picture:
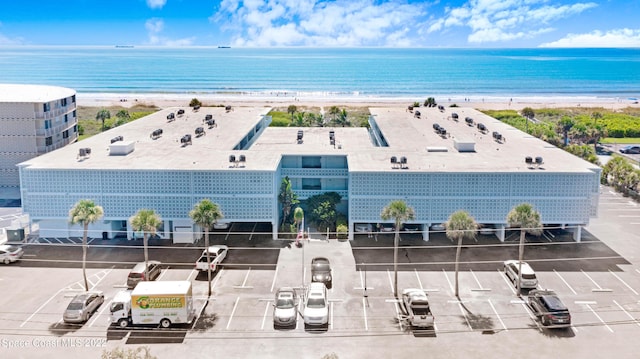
x,y
285,99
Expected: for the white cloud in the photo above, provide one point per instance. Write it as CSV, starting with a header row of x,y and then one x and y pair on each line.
x,y
156,4
505,20
9,41
155,27
320,22
597,38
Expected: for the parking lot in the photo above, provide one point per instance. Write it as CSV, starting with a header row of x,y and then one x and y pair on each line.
x,y
598,280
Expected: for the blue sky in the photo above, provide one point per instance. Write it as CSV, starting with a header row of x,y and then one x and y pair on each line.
x,y
323,23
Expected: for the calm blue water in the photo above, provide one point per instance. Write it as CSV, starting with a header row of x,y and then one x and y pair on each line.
x,y
372,72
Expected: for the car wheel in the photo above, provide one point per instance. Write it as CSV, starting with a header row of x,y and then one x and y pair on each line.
x,y
165,323
6,261
545,321
123,322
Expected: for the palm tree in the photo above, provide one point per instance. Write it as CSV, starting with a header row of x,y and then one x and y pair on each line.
x,y
123,116
400,212
528,219
85,212
460,225
147,222
287,198
103,115
205,214
291,110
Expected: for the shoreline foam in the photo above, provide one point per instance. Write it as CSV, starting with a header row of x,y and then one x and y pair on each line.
x,y
165,100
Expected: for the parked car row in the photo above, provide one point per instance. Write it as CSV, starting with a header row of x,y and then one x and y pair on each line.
x,y
545,304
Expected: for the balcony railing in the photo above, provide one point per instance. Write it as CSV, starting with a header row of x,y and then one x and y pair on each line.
x,y
315,172
46,132
304,194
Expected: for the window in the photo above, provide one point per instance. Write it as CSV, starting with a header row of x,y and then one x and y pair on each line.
x,y
48,141
64,102
311,183
45,107
73,99
311,162
65,134
47,124
66,118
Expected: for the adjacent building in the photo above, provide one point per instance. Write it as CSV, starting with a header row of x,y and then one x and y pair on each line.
x,y
34,120
438,162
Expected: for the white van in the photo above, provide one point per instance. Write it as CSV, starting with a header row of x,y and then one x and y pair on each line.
x,y
528,280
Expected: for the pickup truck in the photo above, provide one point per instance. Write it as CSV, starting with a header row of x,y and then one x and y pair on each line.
x,y
216,256
415,305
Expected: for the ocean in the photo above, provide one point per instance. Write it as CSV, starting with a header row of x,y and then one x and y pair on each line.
x,y
363,72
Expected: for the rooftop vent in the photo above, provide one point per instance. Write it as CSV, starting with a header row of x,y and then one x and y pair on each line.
x,y
232,158
180,112
482,128
498,137
410,108
228,108
441,108
171,117
196,108
300,135
117,138
403,161
84,153
207,117
200,131
211,123
454,116
394,161
156,134
241,159
185,140
539,161
469,121
440,130
332,135
417,114
528,160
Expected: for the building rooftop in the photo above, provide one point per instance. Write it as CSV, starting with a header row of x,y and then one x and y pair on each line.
x,y
33,93
406,135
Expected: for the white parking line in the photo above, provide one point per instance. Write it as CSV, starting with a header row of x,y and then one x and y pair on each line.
x,y
331,316
390,280
504,276
97,315
235,305
480,288
396,306
40,308
627,313
565,282
364,310
497,315
599,288
264,316
448,281
275,276
244,283
418,278
597,316
623,282
59,241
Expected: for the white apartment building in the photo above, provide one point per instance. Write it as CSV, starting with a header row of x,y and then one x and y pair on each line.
x,y
34,120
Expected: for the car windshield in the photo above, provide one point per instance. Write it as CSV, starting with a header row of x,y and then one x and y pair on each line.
x,y
554,303
284,303
315,303
321,267
75,306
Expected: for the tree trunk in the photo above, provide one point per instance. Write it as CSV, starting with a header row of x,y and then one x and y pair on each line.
x,y
206,245
457,265
146,256
395,263
520,258
84,256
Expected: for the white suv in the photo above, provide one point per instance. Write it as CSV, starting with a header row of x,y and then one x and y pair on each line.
x,y
316,306
528,279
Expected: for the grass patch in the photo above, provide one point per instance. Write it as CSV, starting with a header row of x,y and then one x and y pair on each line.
x,y
356,116
625,140
90,126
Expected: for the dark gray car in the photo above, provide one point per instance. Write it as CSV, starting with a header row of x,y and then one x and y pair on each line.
x,y
321,271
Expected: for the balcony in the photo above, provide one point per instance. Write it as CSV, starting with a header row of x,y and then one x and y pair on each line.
x,y
47,132
305,194
315,172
